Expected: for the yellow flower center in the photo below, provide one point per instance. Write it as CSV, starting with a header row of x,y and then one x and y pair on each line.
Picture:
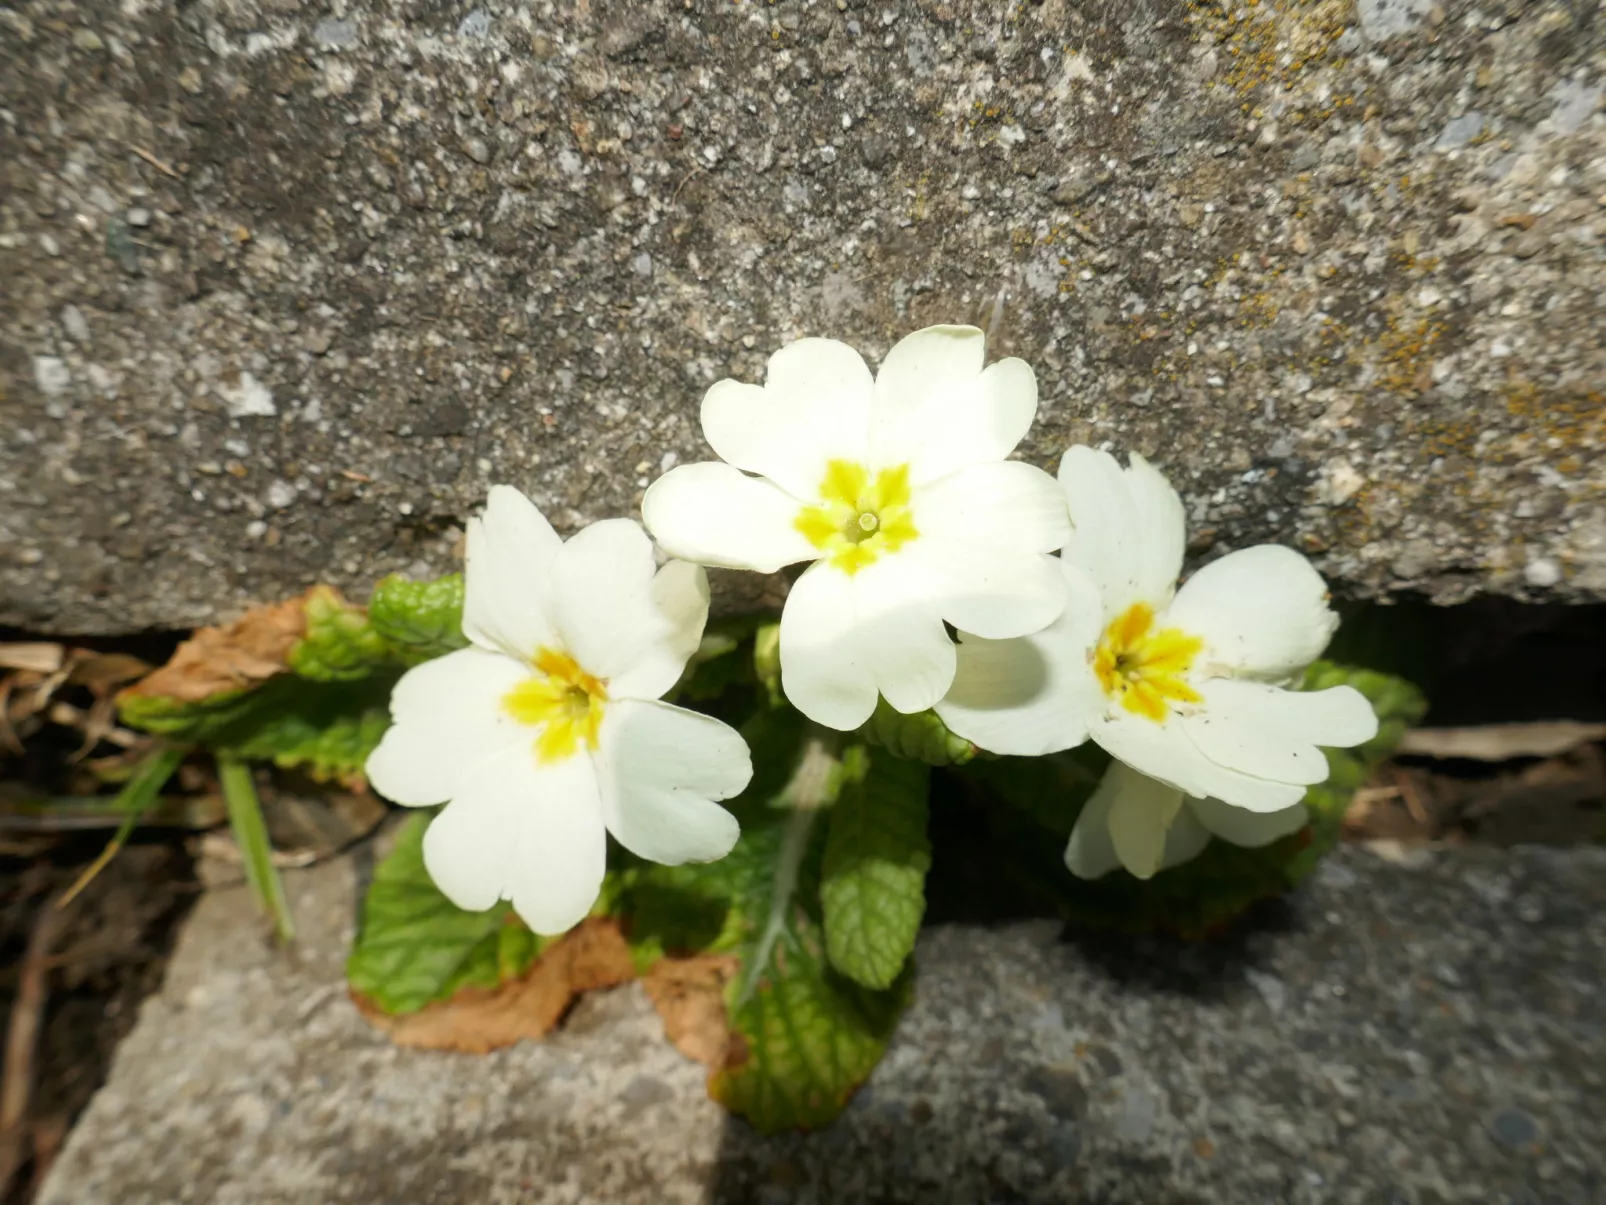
x,y
565,701
859,517
1144,668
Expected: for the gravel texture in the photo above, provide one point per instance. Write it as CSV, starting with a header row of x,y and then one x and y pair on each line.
x,y
286,286
1396,1034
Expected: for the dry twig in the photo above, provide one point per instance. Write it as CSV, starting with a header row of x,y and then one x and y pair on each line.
x,y
22,1038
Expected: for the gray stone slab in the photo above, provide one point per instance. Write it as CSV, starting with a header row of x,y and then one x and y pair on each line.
x,y
1425,1034
285,289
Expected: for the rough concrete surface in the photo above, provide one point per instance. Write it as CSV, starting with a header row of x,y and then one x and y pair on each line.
x,y
286,286
1394,1035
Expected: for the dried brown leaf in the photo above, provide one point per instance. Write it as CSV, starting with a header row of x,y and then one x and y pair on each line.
x,y
689,994
1501,742
42,657
104,671
591,957
9,740
245,653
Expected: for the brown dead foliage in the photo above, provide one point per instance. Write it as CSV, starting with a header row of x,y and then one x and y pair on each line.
x,y
591,957
243,654
34,675
689,994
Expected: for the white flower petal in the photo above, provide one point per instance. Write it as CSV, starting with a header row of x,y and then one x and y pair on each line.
x,y
937,410
1141,812
447,714
1128,528
1238,826
983,530
1186,839
659,768
561,847
1004,504
680,606
622,621
814,406
1034,694
1273,733
902,634
1090,853
991,592
1164,751
1261,611
824,672
923,364
844,639
713,514
505,588
522,829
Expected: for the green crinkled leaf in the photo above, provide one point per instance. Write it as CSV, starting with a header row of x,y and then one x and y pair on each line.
x,y
921,736
187,721
1207,892
681,910
416,947
329,731
341,645
804,1036
326,728
420,620
873,881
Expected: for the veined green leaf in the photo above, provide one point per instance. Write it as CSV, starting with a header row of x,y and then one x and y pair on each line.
x,y
415,946
420,620
804,1036
326,730
921,736
340,645
873,884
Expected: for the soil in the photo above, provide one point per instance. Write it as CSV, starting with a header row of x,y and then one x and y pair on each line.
x,y
108,954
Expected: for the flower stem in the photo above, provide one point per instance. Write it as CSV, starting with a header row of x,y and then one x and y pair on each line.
x,y
794,844
814,784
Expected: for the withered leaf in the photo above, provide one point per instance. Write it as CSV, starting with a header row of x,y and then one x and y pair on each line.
x,y
243,654
689,994
41,657
592,956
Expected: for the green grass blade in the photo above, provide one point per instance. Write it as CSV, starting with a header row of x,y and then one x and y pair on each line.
x,y
251,834
133,801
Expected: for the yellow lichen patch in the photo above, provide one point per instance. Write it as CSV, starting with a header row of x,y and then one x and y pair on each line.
x,y
564,701
1145,669
1270,42
859,517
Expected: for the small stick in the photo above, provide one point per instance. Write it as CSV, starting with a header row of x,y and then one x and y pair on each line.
x,y
153,160
22,1036
1412,798
697,169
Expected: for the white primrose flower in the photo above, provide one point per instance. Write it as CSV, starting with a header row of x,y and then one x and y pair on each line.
x,y
1186,687
897,489
547,733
